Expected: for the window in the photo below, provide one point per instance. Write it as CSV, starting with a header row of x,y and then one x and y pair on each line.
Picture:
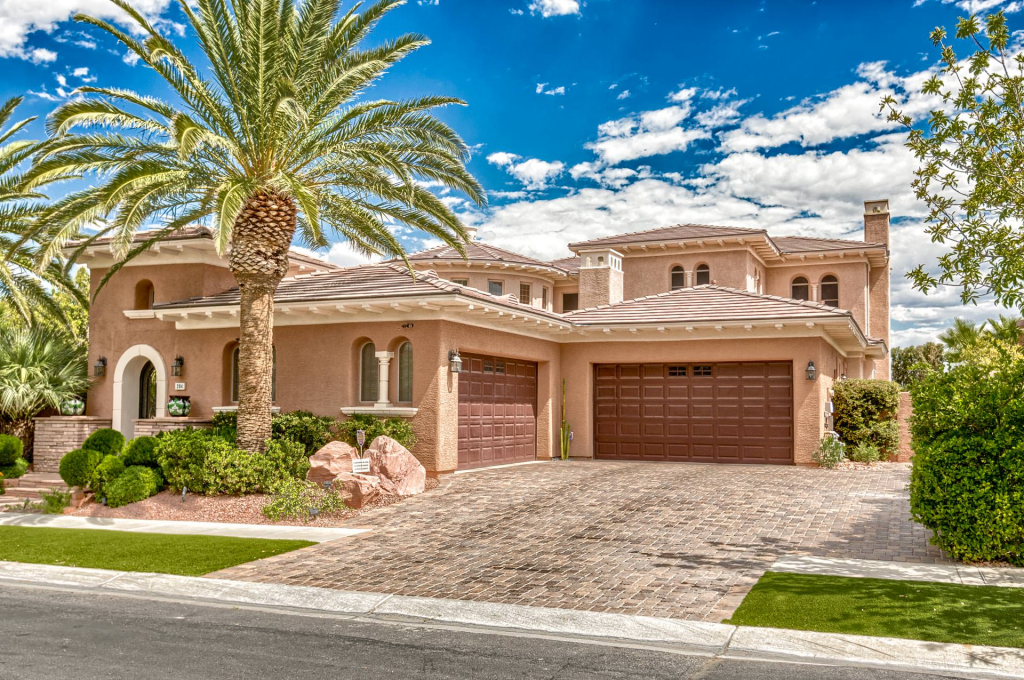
x,y
524,294
499,368
488,367
369,373
703,275
800,289
234,375
830,291
461,282
495,287
702,371
405,372
678,278
570,302
544,298
144,295
677,371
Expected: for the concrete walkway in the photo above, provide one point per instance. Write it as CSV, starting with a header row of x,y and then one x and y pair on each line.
x,y
147,526
1008,577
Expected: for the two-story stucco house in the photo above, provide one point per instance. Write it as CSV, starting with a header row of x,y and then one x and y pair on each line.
x,y
683,343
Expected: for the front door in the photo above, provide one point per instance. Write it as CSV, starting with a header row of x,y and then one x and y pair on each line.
x,y
147,391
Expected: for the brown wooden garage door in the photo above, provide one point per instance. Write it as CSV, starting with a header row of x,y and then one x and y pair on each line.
x,y
715,413
497,411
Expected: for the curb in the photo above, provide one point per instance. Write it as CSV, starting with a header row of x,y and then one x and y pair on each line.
x,y
697,637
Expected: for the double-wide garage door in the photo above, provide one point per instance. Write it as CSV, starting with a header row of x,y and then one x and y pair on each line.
x,y
716,413
497,411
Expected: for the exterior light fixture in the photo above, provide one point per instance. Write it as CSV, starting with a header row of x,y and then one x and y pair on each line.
x,y
455,361
178,365
812,372
842,377
100,368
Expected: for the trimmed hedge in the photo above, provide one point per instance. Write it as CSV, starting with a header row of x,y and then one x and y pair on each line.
x,y
10,450
967,480
141,451
109,469
107,441
301,427
137,483
398,429
868,411
76,467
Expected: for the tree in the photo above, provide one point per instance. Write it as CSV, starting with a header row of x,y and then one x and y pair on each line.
x,y
22,291
911,364
971,151
279,140
961,336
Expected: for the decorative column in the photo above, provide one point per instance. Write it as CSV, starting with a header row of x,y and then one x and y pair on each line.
x,y
814,292
383,376
689,279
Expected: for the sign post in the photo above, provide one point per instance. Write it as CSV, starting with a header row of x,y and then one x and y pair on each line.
x,y
360,465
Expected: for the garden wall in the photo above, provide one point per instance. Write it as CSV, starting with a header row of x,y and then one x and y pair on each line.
x,y
57,435
151,427
906,410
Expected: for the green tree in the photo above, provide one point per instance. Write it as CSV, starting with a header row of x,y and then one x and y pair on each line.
x,y
971,150
911,364
961,336
270,136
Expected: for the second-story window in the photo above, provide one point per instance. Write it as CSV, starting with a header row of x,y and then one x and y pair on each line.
x,y
570,302
703,275
461,282
800,289
524,294
495,287
144,295
830,291
544,298
678,278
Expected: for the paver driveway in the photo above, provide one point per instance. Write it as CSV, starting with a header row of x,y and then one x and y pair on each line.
x,y
659,539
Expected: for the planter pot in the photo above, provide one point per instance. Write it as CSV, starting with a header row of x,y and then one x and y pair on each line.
x,y
179,407
72,407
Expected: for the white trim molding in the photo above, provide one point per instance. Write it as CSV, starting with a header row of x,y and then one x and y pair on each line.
x,y
131,362
383,412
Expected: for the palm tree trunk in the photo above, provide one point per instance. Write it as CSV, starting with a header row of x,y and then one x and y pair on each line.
x,y
260,240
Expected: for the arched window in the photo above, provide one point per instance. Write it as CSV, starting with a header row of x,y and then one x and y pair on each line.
x,y
405,373
234,375
368,373
800,289
678,278
144,296
830,291
703,275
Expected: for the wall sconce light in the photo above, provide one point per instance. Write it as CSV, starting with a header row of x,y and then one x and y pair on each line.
x,y
812,372
842,377
455,361
407,325
177,366
100,368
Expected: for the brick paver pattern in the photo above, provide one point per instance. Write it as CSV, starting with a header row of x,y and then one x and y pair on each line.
x,y
674,540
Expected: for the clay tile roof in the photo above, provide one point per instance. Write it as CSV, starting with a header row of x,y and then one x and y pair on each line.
x,y
803,244
569,264
703,304
181,234
475,250
677,232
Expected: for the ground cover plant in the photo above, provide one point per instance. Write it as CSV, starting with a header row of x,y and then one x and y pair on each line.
x,y
301,499
131,551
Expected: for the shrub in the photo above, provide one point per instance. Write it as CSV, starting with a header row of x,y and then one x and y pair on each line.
x,y
398,429
138,483
293,498
867,411
141,451
830,452
967,480
54,501
303,427
19,468
183,457
866,453
76,467
10,450
106,441
109,469
225,425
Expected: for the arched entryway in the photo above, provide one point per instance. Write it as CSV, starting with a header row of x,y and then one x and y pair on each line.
x,y
140,388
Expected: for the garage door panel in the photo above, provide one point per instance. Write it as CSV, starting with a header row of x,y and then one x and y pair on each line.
x,y
498,411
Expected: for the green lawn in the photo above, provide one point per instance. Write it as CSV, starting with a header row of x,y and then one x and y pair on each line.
x,y
980,615
130,551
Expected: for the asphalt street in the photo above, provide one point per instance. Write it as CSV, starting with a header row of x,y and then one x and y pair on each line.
x,y
50,634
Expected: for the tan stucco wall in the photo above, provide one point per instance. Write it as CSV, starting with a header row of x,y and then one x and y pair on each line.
x,y
853,284
479,277
652,274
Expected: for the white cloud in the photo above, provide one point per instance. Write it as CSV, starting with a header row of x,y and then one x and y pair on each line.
x,y
80,72
720,93
552,91
646,134
623,95
43,94
720,115
41,56
683,95
534,173
980,6
554,8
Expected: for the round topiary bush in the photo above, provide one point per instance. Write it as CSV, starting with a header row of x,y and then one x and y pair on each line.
x,y
141,451
107,441
137,483
109,469
76,467
10,450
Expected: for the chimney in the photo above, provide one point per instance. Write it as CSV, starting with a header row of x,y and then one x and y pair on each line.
x,y
876,221
600,278
471,233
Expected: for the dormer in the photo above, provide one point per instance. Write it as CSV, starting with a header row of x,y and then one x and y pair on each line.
x,y
600,277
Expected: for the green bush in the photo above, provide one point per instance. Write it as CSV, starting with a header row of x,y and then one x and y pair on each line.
x,y
76,467
866,453
19,468
141,451
54,501
10,450
303,427
293,498
830,453
967,480
106,441
109,469
137,483
225,425
398,429
868,411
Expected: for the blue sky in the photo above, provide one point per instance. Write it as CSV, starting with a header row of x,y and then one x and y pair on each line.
x,y
593,117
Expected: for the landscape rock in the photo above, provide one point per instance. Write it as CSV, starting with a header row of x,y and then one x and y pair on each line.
x,y
356,489
399,471
331,461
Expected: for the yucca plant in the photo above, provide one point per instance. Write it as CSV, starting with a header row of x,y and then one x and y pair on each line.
x,y
278,140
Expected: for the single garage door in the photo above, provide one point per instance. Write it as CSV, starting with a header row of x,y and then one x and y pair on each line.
x,y
497,411
714,413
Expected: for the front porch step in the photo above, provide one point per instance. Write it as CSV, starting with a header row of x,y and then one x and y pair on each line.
x,y
29,487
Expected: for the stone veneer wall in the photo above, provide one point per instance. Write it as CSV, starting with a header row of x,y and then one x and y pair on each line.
x,y
151,427
57,435
906,410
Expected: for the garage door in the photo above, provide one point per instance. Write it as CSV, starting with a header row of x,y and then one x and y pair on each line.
x,y
497,411
715,413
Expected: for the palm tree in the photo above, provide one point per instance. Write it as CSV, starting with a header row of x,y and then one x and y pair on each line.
x,y
1006,328
22,291
961,336
278,140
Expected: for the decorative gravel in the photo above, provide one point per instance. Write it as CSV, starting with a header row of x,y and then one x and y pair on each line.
x,y
880,465
233,509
